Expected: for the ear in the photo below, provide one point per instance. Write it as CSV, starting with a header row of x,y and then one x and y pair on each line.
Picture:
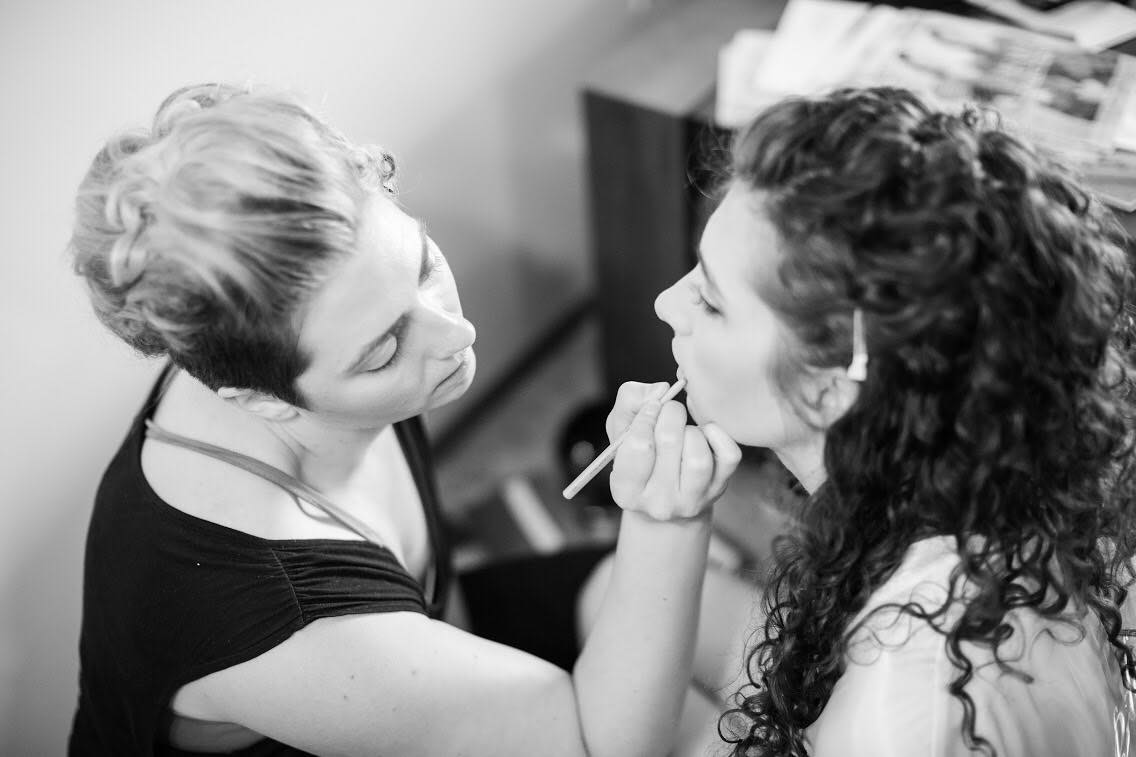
x,y
828,395
258,403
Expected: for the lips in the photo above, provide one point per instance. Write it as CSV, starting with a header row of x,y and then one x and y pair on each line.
x,y
679,373
457,372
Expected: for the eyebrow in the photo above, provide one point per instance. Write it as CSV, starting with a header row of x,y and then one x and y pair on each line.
x,y
706,273
400,324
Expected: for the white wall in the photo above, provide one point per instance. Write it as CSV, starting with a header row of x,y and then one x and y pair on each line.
x,y
477,99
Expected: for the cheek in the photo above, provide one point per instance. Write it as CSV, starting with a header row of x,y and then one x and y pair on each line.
x,y
732,384
364,403
722,376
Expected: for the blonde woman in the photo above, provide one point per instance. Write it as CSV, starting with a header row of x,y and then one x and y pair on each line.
x,y
265,569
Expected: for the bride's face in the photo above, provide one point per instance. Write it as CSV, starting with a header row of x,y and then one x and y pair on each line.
x,y
727,341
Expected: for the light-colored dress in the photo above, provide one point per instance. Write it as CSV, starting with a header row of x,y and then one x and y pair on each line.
x,y
893,699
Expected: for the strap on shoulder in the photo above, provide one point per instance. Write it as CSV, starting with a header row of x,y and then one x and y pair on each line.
x,y
288,483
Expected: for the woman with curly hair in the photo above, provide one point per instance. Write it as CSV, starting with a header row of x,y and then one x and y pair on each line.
x,y
931,325
266,571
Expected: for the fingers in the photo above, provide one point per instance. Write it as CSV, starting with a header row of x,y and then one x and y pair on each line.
x,y
664,468
628,400
726,455
635,459
670,434
697,464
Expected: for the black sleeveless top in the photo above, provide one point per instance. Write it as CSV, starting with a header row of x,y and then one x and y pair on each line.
x,y
169,598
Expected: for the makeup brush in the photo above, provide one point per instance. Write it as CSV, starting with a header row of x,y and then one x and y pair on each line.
x,y
608,454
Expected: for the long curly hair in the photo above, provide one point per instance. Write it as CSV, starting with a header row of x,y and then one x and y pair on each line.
x,y
997,301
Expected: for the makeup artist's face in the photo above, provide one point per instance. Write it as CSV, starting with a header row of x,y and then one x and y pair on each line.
x,y
727,341
385,330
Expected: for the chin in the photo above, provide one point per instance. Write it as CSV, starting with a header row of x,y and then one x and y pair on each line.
x,y
695,412
696,417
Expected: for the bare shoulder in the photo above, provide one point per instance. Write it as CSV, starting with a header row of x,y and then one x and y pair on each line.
x,y
210,489
203,486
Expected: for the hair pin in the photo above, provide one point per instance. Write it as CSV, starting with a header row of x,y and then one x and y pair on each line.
x,y
858,369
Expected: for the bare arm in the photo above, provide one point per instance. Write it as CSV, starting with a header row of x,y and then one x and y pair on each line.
x,y
642,645
402,684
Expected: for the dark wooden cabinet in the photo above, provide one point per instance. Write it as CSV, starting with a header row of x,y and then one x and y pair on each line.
x,y
651,153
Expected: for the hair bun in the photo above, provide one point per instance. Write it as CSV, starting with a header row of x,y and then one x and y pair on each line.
x,y
190,100
174,113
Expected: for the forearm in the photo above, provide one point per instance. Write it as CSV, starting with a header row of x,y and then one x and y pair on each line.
x,y
633,673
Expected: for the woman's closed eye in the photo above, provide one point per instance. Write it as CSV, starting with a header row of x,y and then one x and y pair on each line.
x,y
385,356
390,351
700,300
437,263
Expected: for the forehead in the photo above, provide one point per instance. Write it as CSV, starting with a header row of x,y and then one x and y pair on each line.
x,y
384,227
740,246
368,290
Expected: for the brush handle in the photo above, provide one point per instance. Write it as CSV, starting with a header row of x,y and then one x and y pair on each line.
x,y
605,457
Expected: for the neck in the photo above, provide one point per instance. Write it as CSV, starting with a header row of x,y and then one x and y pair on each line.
x,y
806,462
321,454
324,456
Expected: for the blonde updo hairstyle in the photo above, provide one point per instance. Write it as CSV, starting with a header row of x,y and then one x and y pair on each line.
x,y
202,238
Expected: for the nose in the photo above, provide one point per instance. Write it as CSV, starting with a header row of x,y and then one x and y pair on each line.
x,y
448,330
668,307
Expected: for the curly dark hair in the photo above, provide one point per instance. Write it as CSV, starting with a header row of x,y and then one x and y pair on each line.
x,y
998,406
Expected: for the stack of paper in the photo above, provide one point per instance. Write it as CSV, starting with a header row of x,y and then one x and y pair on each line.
x,y
1093,24
1075,102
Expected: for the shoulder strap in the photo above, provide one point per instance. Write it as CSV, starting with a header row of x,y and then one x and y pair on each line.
x,y
288,483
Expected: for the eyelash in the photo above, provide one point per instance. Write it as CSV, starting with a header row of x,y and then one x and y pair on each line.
x,y
393,358
703,303
437,265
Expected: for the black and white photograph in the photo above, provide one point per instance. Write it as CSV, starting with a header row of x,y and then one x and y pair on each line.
x,y
574,378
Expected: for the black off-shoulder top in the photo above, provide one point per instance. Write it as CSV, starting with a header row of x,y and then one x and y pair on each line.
x,y
169,598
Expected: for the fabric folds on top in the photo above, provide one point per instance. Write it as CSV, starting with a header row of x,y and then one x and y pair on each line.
x,y
169,598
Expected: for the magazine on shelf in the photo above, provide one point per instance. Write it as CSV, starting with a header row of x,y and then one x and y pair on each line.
x,y
1073,102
